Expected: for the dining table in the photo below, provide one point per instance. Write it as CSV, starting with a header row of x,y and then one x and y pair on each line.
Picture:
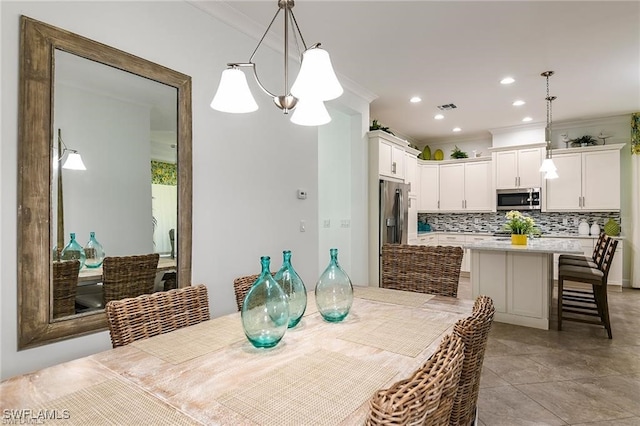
x,y
88,276
320,373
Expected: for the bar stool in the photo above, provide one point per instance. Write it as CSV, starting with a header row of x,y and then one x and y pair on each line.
x,y
586,304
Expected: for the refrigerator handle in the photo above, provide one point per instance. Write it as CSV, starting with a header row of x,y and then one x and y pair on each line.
x,y
400,218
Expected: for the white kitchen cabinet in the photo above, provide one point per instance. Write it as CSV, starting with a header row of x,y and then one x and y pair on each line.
x,y
466,187
430,239
466,259
428,196
518,168
412,174
588,180
391,160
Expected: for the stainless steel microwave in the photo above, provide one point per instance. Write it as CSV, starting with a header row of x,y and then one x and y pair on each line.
x,y
518,199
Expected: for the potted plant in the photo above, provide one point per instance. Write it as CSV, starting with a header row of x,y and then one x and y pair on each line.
x,y
458,153
376,126
585,140
520,227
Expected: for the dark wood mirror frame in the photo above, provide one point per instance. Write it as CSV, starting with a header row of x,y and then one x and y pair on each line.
x,y
38,42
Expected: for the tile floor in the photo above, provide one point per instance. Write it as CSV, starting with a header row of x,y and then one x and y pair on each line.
x,y
571,377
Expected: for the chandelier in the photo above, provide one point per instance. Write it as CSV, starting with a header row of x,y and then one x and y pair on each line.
x,y
316,81
549,169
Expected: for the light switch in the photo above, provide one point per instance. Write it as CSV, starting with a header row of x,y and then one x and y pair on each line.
x,y
303,225
326,223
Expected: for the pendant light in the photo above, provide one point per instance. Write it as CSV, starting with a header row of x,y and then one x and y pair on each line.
x,y
548,167
316,82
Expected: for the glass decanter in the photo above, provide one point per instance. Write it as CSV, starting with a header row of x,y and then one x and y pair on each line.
x,y
334,291
265,310
73,251
94,252
294,288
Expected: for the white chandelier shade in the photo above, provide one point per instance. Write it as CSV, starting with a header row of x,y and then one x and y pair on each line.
x,y
316,78
233,93
310,112
552,174
548,166
74,162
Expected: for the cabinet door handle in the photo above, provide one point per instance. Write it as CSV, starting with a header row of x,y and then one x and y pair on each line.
x,y
579,201
516,179
393,167
463,204
438,203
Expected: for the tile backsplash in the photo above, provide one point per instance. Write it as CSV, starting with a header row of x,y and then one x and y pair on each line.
x,y
548,223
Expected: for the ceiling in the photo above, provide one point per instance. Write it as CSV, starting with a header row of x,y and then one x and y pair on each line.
x,y
458,51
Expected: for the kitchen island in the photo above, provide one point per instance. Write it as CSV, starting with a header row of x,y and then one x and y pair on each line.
x,y
519,279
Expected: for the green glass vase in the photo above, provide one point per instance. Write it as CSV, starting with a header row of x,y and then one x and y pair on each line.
x,y
73,251
294,288
265,310
94,252
334,291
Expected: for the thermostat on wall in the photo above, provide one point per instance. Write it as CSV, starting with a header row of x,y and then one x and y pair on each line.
x,y
302,194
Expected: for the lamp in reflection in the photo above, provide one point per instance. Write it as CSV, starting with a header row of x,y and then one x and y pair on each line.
x,y
72,161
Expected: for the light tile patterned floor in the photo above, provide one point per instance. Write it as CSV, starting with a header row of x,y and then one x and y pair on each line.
x,y
571,377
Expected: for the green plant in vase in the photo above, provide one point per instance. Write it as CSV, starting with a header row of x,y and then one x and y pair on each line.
x,y
458,153
585,140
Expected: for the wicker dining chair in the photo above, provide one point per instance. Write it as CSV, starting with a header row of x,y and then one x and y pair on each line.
x,y
241,287
128,276
149,315
586,305
65,287
423,269
426,398
474,332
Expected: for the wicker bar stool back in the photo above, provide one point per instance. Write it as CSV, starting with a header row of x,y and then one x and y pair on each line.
x,y
426,398
423,269
65,287
128,276
474,332
586,305
149,315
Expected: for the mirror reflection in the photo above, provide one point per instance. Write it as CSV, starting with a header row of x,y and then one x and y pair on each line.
x,y
114,217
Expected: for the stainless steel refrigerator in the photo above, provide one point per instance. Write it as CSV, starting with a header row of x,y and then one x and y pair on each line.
x,y
394,213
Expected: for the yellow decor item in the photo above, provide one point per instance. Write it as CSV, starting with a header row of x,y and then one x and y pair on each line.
x,y
519,239
612,228
438,155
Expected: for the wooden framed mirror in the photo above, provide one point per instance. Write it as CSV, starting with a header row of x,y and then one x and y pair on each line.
x,y
39,44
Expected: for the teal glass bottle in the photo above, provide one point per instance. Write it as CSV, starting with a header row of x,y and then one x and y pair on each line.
x,y
294,288
94,252
334,291
265,310
73,251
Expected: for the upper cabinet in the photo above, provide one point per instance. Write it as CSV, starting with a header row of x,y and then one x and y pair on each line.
x,y
390,153
589,179
412,173
518,168
466,187
428,196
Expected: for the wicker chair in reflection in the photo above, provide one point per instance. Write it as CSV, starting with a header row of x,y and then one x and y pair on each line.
x,y
65,285
149,315
426,398
422,269
241,287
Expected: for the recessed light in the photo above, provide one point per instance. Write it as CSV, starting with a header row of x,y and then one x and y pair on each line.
x,y
438,116
507,80
527,119
415,99
518,102
457,129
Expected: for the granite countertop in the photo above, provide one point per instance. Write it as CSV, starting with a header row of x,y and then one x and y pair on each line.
x,y
534,245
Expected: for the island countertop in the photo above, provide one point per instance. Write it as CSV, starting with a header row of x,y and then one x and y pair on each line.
x,y
534,245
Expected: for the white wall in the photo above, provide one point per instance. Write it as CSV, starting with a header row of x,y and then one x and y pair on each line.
x,y
246,168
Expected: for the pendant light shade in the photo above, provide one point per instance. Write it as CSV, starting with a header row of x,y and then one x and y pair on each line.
x,y
316,78
548,166
310,112
552,174
233,93
74,162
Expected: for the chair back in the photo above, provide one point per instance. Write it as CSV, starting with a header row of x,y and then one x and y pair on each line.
x,y
427,396
128,276
600,248
474,332
65,287
608,258
242,285
149,315
423,269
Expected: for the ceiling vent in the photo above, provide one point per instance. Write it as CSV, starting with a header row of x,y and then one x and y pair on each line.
x,y
447,107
